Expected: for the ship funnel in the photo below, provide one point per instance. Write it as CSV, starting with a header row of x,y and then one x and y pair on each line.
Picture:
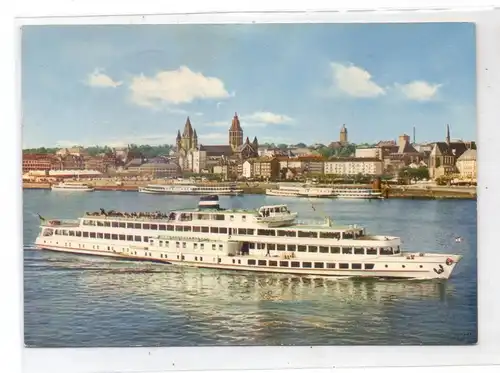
x,y
209,202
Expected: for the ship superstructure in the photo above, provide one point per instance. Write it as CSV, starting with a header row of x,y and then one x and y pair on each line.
x,y
266,239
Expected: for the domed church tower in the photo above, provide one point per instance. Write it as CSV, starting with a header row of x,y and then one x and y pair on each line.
x,y
343,135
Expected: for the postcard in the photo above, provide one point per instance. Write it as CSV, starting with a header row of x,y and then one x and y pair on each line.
x,y
292,184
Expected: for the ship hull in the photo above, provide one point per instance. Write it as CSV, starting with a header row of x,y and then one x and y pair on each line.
x,y
57,189
192,193
426,273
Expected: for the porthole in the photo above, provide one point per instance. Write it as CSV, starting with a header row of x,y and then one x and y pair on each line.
x,y
421,266
386,266
404,266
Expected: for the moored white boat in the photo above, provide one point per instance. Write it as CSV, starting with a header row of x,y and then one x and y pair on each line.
x,y
72,187
356,193
267,239
300,191
191,189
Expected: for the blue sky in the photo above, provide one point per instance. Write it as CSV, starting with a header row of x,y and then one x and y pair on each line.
x,y
288,83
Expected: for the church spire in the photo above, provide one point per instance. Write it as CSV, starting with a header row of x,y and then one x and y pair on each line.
x,y
188,129
448,134
178,141
235,133
194,143
235,124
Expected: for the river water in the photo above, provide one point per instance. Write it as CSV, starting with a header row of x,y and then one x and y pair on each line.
x,y
81,301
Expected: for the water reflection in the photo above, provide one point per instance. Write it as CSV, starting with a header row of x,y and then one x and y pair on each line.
x,y
246,307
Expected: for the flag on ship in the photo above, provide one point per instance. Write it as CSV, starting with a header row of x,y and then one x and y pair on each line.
x,y
41,217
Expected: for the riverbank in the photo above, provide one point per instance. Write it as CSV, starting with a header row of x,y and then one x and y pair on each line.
x,y
431,194
392,192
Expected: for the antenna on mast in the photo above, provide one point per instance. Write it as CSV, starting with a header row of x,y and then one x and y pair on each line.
x,y
327,218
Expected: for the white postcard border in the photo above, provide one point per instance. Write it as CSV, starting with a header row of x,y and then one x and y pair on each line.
x,y
263,358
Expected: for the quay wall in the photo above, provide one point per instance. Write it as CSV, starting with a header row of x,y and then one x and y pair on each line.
x,y
408,192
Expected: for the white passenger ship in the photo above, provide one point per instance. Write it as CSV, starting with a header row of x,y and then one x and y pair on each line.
x,y
268,239
356,193
300,191
72,187
231,189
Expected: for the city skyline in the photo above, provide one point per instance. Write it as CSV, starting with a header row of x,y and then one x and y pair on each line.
x,y
113,85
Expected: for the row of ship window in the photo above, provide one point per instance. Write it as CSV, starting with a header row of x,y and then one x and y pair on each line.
x,y
222,230
327,249
269,246
260,262
319,265
195,245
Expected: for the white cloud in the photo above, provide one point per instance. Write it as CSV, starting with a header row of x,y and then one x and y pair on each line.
x,y
176,87
257,119
219,123
176,111
267,117
148,139
354,81
98,79
419,90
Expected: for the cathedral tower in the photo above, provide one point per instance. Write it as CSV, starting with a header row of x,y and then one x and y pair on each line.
x,y
187,135
235,133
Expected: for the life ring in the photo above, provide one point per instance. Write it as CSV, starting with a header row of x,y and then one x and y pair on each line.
x,y
449,261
